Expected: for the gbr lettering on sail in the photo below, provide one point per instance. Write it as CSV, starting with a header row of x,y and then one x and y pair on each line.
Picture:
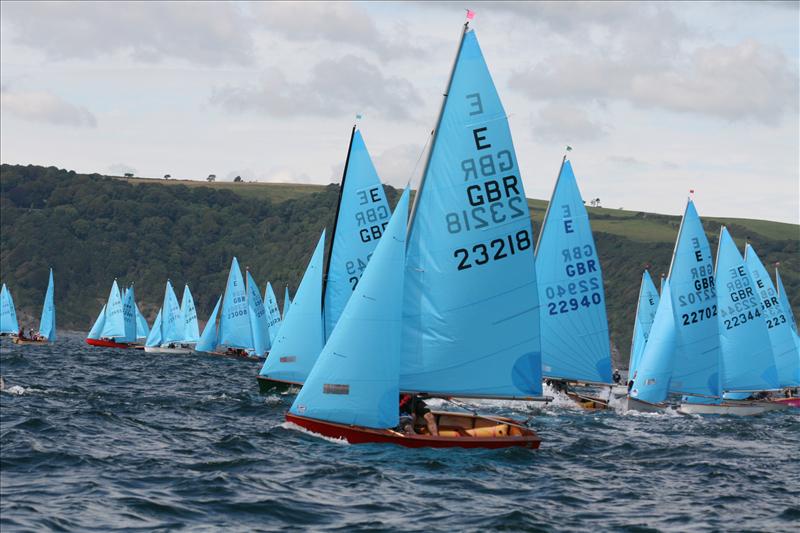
x,y
493,196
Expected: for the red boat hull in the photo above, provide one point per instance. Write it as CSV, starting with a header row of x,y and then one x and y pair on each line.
x,y
105,343
791,402
362,435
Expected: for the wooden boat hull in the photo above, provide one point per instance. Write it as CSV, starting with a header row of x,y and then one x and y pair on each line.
x,y
730,407
175,350
17,340
273,386
632,404
587,402
791,402
106,343
454,429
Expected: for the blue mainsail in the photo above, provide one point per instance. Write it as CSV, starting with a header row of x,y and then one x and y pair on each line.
x,y
273,312
301,337
234,324
747,360
47,322
471,308
355,379
114,326
208,340
287,302
154,338
128,317
142,329
191,331
574,325
784,348
8,313
653,374
258,317
361,218
97,327
645,314
171,318
695,368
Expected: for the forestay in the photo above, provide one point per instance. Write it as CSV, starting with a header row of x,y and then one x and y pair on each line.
x,y
645,314
471,311
574,325
747,360
301,338
361,218
652,381
694,300
784,348
355,380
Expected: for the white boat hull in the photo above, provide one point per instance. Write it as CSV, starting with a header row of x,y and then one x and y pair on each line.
x,y
728,407
632,404
176,349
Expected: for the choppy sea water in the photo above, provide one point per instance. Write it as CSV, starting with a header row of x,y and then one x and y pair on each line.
x,y
102,439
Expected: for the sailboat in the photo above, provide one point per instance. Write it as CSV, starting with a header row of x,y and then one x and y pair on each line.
x,y
115,326
177,329
782,338
791,399
747,362
469,324
47,322
8,314
575,341
682,354
273,312
243,331
362,214
645,315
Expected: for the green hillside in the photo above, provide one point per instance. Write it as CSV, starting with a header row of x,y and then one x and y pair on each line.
x,y
93,228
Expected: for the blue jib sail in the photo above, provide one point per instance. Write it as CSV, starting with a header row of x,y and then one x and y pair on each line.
x,y
575,341
208,340
47,322
645,314
653,374
287,302
191,330
128,316
154,338
114,326
471,308
355,378
273,312
787,307
747,360
784,348
171,318
695,368
301,337
234,323
258,317
361,219
97,328
8,314
142,329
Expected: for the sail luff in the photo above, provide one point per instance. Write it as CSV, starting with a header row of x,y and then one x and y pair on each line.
x,y
549,205
435,133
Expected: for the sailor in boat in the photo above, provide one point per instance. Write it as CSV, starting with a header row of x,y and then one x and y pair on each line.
x,y
411,407
617,377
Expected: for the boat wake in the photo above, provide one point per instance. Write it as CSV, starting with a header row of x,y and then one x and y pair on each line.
x,y
295,427
17,390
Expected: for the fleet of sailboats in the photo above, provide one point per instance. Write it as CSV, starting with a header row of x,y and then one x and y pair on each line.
x,y
452,297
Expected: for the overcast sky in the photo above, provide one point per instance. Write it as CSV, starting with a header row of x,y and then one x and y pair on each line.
x,y
655,98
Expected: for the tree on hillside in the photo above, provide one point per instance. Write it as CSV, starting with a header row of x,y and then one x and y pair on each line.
x,y
211,177
237,179
167,176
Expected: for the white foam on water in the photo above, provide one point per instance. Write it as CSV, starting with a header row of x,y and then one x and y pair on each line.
x,y
295,427
16,390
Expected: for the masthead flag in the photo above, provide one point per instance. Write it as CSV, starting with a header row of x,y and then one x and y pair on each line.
x,y
470,14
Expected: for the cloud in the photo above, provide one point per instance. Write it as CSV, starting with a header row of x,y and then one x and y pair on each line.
x,y
565,124
337,86
209,33
120,169
332,22
43,106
